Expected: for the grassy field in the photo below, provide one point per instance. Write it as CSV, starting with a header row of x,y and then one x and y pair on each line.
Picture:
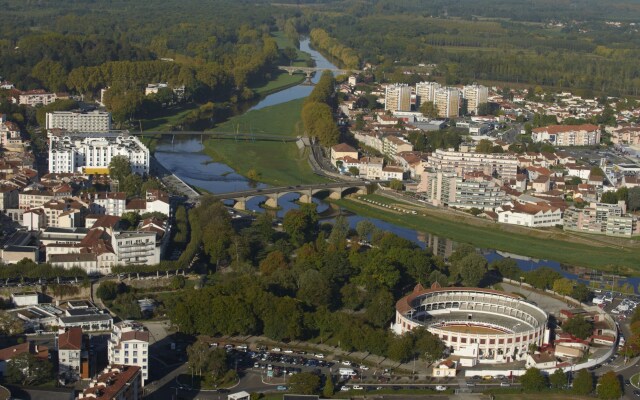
x,y
279,164
171,117
282,81
538,244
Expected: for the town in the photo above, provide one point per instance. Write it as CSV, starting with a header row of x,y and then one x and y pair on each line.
x,y
443,238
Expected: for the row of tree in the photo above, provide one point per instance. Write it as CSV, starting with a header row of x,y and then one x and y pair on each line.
x,y
317,112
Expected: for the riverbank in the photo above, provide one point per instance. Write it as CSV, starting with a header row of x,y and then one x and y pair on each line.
x,y
545,245
276,163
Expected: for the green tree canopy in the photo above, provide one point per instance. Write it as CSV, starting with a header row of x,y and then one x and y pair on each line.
x,y
583,382
609,387
533,380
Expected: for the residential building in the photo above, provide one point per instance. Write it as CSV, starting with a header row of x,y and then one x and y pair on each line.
x,y
9,134
626,136
137,248
531,215
117,382
9,353
129,345
397,97
37,97
158,201
437,187
567,135
426,92
74,121
447,101
371,167
608,219
8,197
92,154
342,150
154,88
85,315
501,164
441,188
24,299
72,356
109,203
475,95
392,172
392,145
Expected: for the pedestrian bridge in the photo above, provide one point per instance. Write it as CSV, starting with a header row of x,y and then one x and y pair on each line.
x,y
335,190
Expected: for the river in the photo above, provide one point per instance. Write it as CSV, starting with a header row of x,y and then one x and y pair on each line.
x,y
184,158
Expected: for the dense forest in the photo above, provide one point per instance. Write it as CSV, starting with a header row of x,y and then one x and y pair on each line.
x,y
586,45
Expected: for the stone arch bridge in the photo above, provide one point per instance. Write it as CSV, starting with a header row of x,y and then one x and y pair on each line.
x,y
336,191
310,70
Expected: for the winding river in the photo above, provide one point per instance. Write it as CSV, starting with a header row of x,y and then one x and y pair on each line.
x,y
184,158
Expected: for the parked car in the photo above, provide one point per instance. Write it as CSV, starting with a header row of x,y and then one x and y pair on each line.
x,y
281,387
319,355
357,387
505,384
441,388
345,388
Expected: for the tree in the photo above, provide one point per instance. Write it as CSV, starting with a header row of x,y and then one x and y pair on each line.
x,y
354,171
609,387
471,269
177,282
558,379
484,146
328,389
542,278
581,292
533,380
305,383
273,262
119,168
633,202
583,383
401,348
563,286
578,327
301,225
396,184
198,354
428,109
27,369
10,324
365,228
339,231
428,346
131,185
609,198
108,290
380,309
314,288
507,267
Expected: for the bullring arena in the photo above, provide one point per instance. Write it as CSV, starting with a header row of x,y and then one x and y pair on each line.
x,y
486,326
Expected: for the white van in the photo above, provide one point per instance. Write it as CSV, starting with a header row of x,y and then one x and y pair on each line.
x,y
598,300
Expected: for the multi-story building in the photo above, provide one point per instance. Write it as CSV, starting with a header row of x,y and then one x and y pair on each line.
x,y
447,101
9,197
503,165
437,187
72,356
567,135
426,92
118,382
446,188
137,248
109,203
36,98
397,98
608,219
129,345
92,154
475,95
629,135
532,215
30,199
392,145
74,121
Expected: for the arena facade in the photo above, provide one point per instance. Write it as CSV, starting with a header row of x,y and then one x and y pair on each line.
x,y
480,325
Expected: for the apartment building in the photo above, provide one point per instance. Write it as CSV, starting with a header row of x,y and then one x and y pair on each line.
x,y
92,154
626,136
426,92
397,97
446,188
501,164
475,95
72,356
567,135
37,97
117,382
75,121
607,219
531,215
30,199
393,145
129,345
447,102
137,248
109,203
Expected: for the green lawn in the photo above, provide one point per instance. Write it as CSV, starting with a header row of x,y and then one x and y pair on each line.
x,y
282,81
170,117
502,238
279,164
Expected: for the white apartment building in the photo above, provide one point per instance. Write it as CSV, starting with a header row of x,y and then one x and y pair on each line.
x,y
426,92
504,165
446,188
129,345
531,215
475,95
447,102
137,248
109,203
567,135
392,145
397,97
75,153
74,121
608,219
36,98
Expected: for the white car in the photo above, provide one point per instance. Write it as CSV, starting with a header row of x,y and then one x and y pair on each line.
x,y
364,368
441,388
346,362
319,355
278,349
358,387
345,389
